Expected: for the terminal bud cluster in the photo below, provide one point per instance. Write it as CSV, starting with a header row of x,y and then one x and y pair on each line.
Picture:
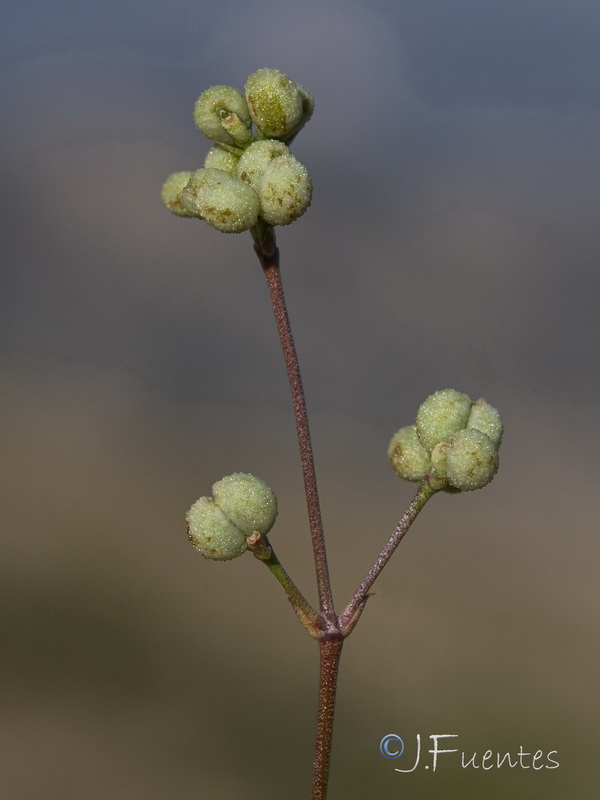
x,y
247,176
454,443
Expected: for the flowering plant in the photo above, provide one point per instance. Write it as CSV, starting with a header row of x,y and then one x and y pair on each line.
x,y
251,181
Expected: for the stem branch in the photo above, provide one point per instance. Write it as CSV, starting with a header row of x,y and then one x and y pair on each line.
x,y
348,617
259,545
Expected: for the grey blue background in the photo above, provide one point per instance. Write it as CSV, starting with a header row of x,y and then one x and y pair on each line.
x,y
453,241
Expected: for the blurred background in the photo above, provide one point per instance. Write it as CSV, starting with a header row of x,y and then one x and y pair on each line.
x,y
453,241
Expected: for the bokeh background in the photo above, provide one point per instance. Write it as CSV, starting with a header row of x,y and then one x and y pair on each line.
x,y
453,241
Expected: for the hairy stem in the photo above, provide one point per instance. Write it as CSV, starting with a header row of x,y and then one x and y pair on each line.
x,y
266,249
263,551
349,615
330,651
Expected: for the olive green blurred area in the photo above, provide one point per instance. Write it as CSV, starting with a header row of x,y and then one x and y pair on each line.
x,y
453,241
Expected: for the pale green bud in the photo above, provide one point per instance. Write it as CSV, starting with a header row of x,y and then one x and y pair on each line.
x,y
276,103
285,191
486,418
439,457
212,533
221,113
226,203
441,415
308,106
247,501
408,457
218,158
171,193
256,158
471,460
218,527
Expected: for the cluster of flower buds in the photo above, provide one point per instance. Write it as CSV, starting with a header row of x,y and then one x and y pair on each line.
x,y
218,526
247,177
454,443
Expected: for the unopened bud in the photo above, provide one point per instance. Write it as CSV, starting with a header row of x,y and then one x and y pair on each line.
x,y
276,103
408,457
441,415
221,113
285,191
247,501
219,526
486,418
471,460
212,533
218,158
171,193
226,203
308,106
256,158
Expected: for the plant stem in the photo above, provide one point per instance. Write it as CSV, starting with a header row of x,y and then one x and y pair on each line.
x,y
330,636
266,249
348,617
263,551
330,651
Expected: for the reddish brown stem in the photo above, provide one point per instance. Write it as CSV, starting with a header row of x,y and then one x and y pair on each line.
x,y
348,617
330,652
268,254
331,640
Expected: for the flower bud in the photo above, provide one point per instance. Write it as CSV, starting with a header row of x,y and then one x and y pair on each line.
x,y
247,501
218,158
308,106
408,457
285,191
439,459
171,193
276,103
256,158
226,203
212,533
486,418
471,460
221,113
441,415
218,527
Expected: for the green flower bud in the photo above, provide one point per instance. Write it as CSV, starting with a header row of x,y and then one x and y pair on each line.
x,y
218,527
276,103
442,414
486,418
212,533
439,459
218,158
221,113
408,457
308,106
471,460
285,191
226,203
256,158
171,193
247,501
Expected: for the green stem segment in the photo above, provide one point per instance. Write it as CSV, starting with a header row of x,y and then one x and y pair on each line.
x,y
258,544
